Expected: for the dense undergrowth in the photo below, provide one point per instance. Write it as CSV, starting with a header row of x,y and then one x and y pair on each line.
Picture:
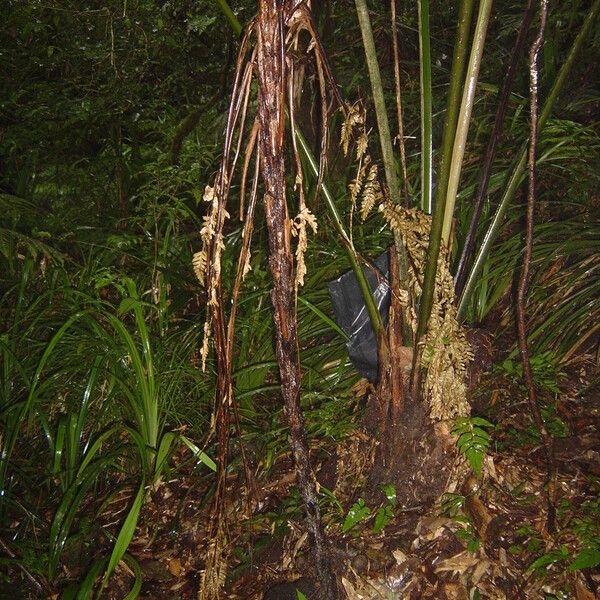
x,y
110,127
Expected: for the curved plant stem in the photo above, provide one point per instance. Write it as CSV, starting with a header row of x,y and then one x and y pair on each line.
x,y
456,76
351,252
233,20
526,268
426,108
399,102
517,175
490,151
464,118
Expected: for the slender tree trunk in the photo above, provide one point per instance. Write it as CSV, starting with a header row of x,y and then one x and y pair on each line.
x,y
271,114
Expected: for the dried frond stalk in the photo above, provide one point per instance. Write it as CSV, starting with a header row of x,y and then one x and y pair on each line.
x,y
247,266
356,186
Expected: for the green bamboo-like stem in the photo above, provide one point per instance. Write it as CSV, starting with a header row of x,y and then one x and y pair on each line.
x,y
233,20
435,235
490,151
518,172
351,252
426,108
385,141
399,102
464,118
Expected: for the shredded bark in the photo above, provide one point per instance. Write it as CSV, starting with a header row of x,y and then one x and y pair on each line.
x,y
271,115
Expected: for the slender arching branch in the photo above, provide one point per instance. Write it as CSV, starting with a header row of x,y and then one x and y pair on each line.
x,y
516,177
490,151
526,268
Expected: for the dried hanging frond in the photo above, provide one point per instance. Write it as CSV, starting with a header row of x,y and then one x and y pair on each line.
x,y
205,344
371,194
206,234
217,250
200,260
414,226
355,116
446,353
356,186
362,144
199,264
303,218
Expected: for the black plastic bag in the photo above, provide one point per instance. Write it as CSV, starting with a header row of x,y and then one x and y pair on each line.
x,y
352,315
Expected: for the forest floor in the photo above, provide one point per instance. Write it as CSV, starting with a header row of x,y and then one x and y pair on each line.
x,y
486,539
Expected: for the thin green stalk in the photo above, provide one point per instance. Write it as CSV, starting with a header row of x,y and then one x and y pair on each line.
x,y
517,175
385,139
426,108
233,20
351,252
464,119
363,283
456,77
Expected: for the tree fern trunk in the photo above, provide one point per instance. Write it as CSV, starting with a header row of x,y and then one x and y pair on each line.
x,y
271,114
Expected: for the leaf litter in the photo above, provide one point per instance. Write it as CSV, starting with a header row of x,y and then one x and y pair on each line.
x,y
492,544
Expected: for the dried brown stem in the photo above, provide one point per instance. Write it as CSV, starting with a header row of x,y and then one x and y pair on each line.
x,y
526,269
301,18
213,576
247,156
244,98
240,273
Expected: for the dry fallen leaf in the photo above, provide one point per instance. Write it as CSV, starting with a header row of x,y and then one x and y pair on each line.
x,y
174,566
582,591
455,591
457,563
350,591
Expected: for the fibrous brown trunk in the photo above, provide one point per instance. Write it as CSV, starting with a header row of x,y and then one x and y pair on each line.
x,y
271,115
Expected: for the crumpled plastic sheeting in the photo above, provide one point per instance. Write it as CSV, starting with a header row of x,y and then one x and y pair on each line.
x,y
352,315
